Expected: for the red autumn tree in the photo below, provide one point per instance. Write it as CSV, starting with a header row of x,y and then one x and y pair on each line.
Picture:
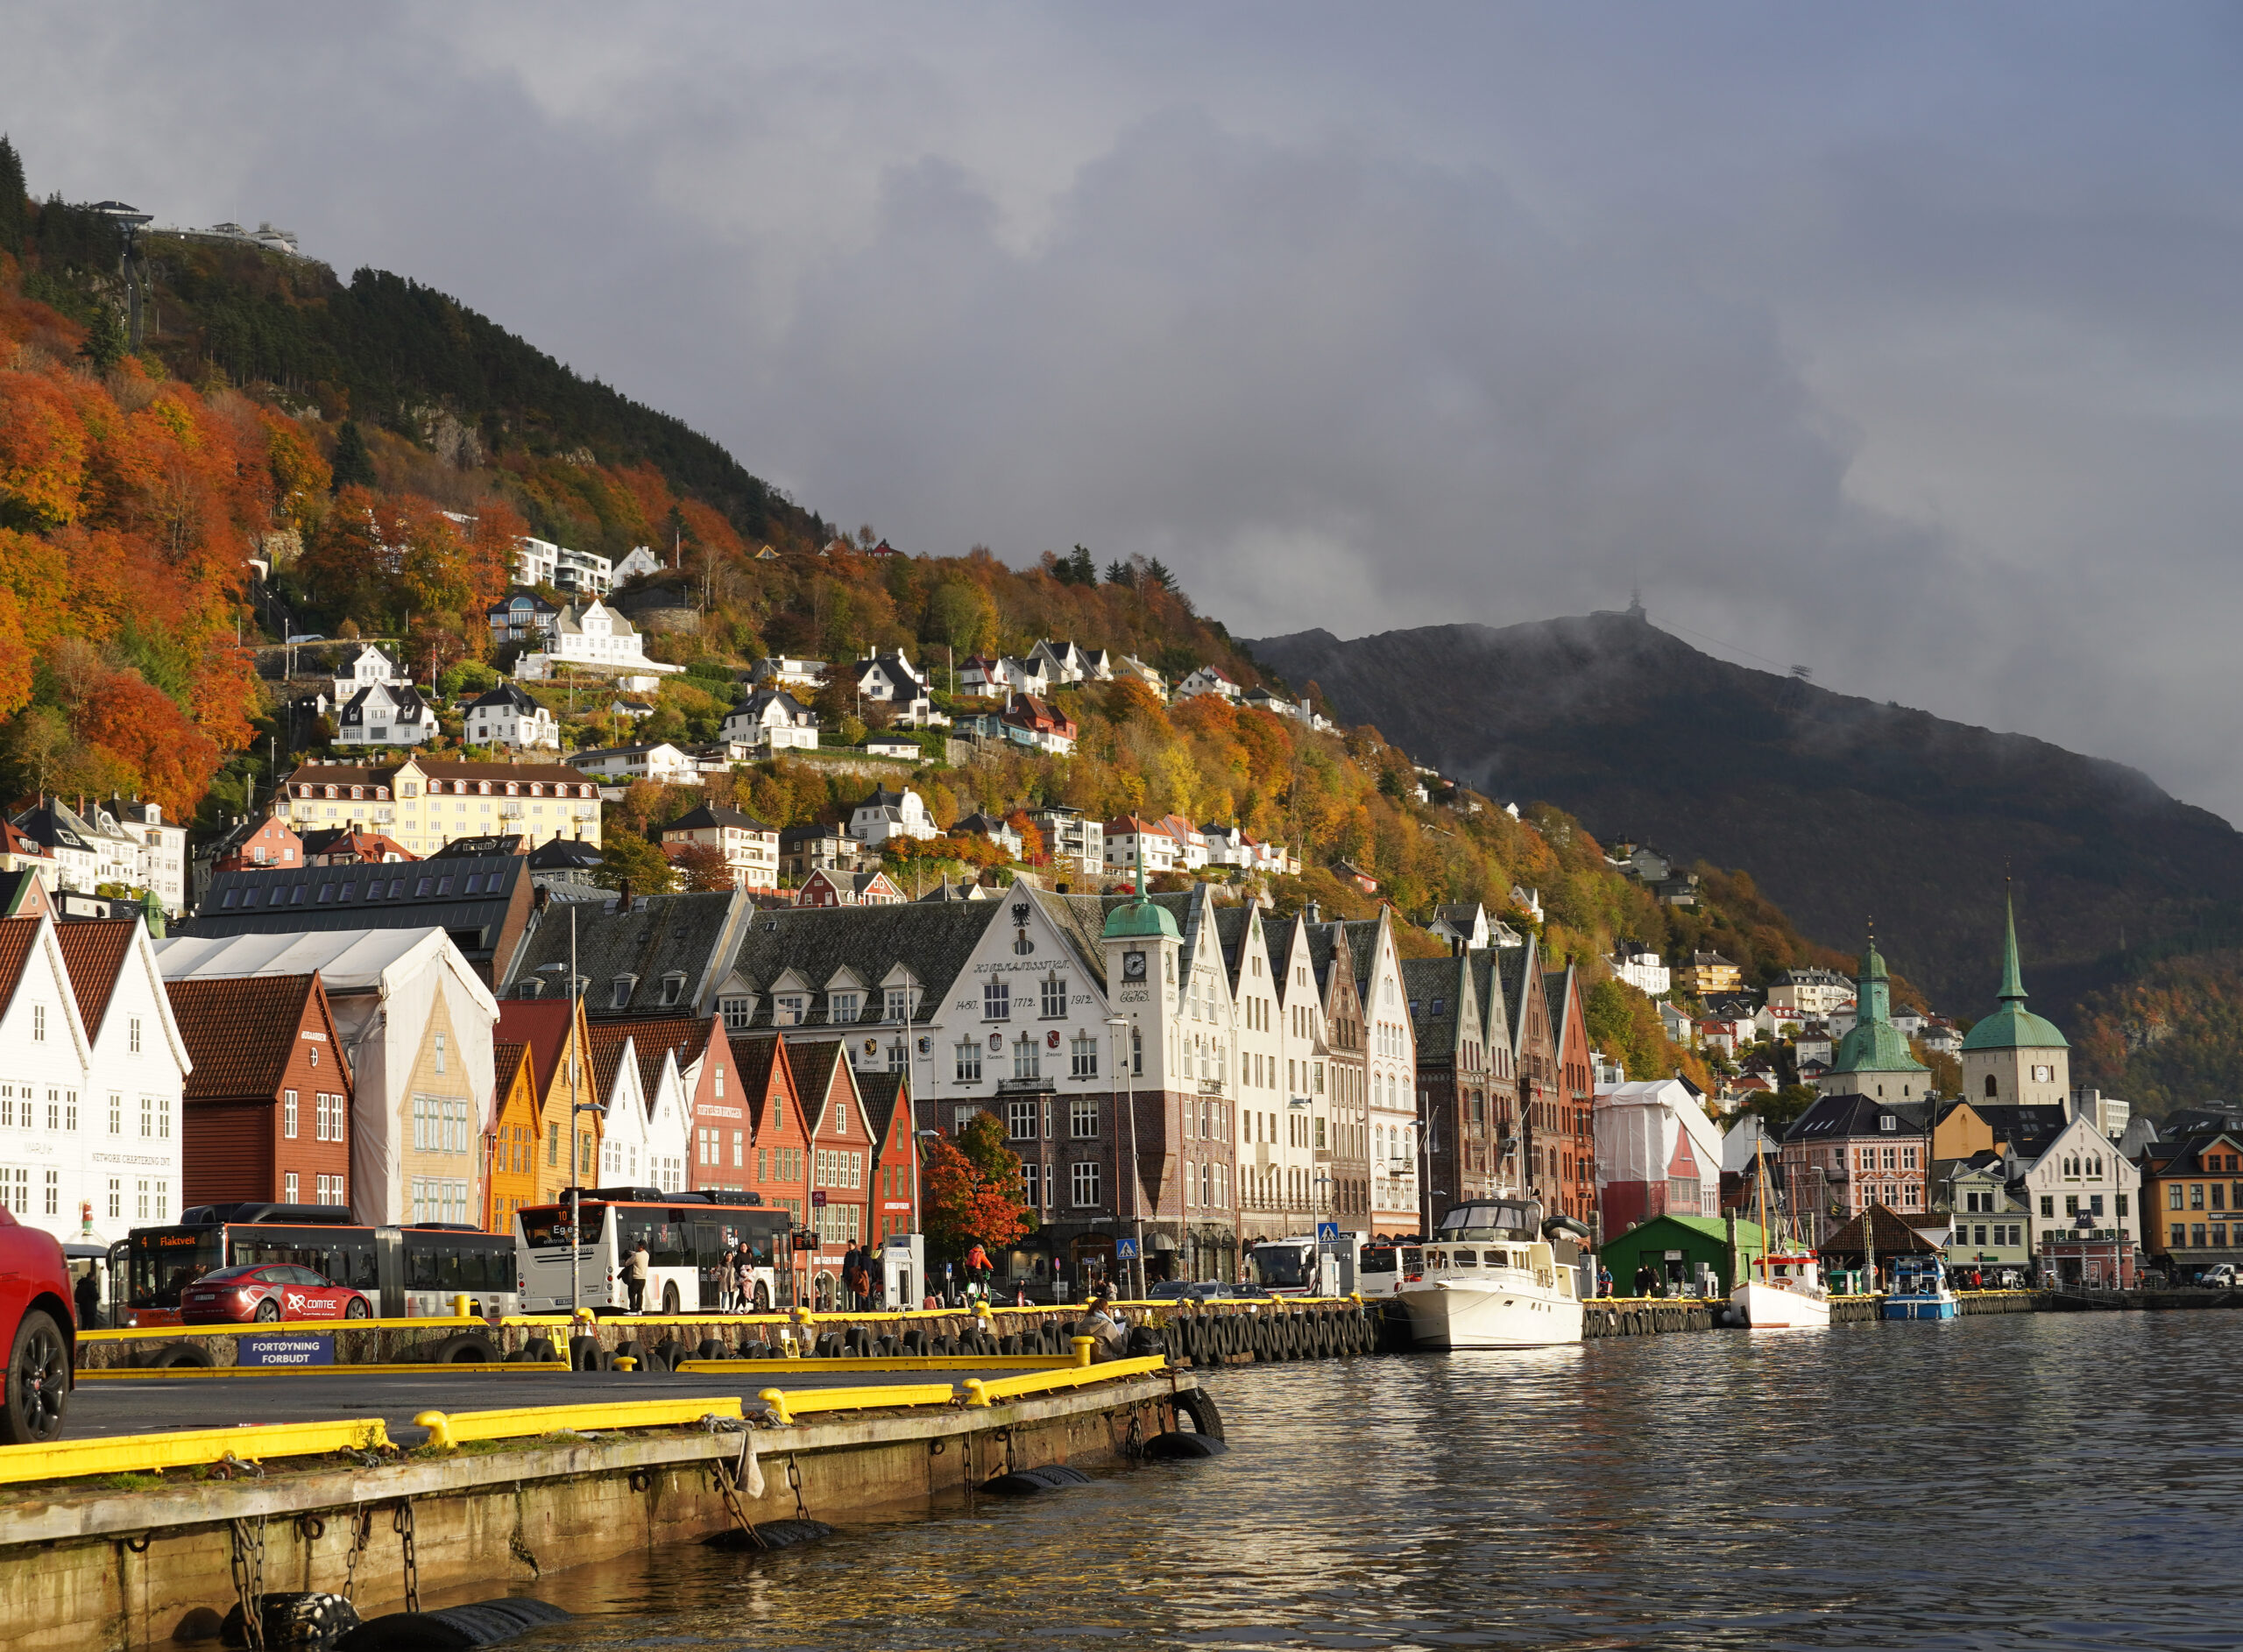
x,y
701,866
973,1191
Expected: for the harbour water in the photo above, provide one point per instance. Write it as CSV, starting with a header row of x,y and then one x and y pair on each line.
x,y
2045,1480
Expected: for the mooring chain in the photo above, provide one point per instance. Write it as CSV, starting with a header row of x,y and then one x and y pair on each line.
x,y
728,1482
362,1533
401,1523
249,1579
794,1483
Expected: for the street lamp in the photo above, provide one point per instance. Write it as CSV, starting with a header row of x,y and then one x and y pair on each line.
x,y
1119,1024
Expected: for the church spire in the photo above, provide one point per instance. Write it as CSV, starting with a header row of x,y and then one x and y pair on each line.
x,y
2013,978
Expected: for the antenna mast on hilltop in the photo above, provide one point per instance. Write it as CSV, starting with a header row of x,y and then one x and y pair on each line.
x,y
1635,602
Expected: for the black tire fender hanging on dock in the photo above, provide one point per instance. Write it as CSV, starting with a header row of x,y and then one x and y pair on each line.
x,y
181,1354
453,1630
1198,1405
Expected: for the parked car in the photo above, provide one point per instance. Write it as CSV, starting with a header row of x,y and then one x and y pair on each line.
x,y
2218,1276
42,1333
269,1292
1204,1290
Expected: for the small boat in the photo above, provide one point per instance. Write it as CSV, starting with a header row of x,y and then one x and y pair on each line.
x,y
1492,1279
1782,1287
1920,1290
1781,1291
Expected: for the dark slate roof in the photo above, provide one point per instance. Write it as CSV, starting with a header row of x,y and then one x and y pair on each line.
x,y
658,937
466,899
1840,1118
932,940
2213,1115
484,848
1487,994
1233,924
563,854
2186,1157
1438,990
1517,969
2027,1130
794,837
507,696
404,699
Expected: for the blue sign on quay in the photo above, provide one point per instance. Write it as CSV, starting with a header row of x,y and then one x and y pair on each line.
x,y
1125,1250
286,1348
1327,1230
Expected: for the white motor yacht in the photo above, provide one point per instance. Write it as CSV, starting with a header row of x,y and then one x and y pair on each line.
x,y
1492,1278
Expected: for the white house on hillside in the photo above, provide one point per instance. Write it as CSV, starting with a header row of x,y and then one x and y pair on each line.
x,y
656,760
886,815
594,637
385,714
1207,680
370,668
774,718
507,716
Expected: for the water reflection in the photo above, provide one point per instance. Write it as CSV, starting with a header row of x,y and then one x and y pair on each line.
x,y
2059,1481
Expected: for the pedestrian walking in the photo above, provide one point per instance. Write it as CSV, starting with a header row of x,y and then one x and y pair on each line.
x,y
635,1278
1646,1281
88,1298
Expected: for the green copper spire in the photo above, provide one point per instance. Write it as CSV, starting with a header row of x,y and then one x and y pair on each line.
x,y
2013,1025
2013,978
1143,916
1874,1045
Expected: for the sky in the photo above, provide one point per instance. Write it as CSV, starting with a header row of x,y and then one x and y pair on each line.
x,y
1900,342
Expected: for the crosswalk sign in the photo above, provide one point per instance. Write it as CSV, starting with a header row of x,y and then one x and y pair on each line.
x,y
1327,1230
1125,1250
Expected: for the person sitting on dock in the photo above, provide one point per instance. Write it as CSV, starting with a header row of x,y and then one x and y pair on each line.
x,y
1104,1325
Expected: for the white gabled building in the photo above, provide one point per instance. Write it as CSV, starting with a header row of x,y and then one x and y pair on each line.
x,y
886,815
774,718
507,715
592,638
371,668
1208,679
90,1135
385,714
1128,840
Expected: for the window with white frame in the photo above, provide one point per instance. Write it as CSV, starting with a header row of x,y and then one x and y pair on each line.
x,y
288,1188
1084,1176
1031,1184
896,1005
1020,1120
288,1115
1085,1052
996,1001
1028,1056
1082,1119
1054,997
969,1061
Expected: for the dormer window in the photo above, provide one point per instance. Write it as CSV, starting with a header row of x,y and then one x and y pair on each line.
x,y
1888,1122
673,987
843,1007
737,1012
898,1005
624,986
790,1008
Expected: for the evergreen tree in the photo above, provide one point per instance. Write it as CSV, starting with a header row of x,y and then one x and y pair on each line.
x,y
354,466
15,205
1119,573
1157,572
104,344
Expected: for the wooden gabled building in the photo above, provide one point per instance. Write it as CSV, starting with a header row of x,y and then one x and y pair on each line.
x,y
265,1115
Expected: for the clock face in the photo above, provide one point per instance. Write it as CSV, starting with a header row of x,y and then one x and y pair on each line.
x,y
2044,1074
1133,966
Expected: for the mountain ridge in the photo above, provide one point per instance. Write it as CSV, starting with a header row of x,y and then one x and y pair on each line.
x,y
1638,733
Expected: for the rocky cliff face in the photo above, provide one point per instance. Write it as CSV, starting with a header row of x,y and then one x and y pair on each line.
x,y
1843,810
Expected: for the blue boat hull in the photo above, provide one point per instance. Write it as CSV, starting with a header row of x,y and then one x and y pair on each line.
x,y
1941,1306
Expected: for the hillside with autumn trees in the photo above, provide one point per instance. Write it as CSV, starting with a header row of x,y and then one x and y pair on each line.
x,y
284,451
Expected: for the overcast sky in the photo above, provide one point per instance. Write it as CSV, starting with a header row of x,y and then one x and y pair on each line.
x,y
1899,342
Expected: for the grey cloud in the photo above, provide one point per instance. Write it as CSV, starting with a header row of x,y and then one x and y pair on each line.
x,y
1897,344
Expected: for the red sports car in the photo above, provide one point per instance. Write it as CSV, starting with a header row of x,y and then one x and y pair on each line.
x,y
42,1333
268,1291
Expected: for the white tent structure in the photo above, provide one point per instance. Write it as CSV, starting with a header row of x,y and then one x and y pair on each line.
x,y
1657,1154
416,1019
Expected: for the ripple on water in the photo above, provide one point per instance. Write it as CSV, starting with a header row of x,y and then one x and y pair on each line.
x,y
2041,1480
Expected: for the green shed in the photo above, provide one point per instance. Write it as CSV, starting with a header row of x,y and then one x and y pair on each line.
x,y
1672,1247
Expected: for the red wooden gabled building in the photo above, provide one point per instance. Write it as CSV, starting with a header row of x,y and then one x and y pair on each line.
x,y
266,1109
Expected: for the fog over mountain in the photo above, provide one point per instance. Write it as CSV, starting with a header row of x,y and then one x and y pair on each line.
x,y
1846,811
1896,342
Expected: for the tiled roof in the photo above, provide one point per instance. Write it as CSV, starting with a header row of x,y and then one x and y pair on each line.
x,y
882,1093
542,1027
816,1066
240,1031
94,950
505,1061
657,1037
17,936
604,1046
711,814
445,769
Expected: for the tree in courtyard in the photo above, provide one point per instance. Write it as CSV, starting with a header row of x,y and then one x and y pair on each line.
x,y
973,1192
626,855
701,866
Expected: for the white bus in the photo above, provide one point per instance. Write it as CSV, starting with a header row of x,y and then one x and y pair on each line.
x,y
692,1240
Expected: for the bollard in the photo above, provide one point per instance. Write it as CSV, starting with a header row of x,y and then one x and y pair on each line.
x,y
1083,1346
624,1362
459,1307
